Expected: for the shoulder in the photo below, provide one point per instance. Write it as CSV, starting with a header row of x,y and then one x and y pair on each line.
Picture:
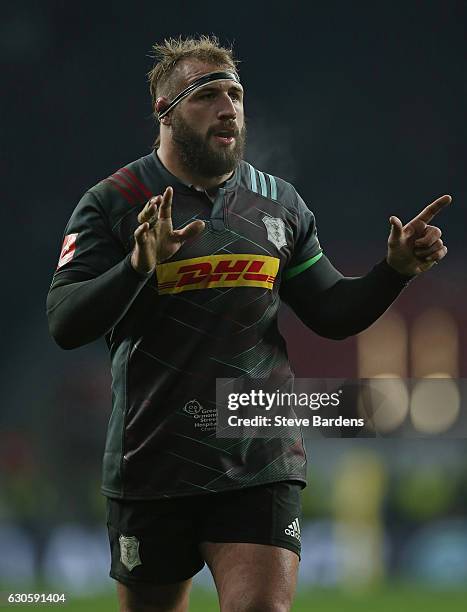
x,y
269,186
126,189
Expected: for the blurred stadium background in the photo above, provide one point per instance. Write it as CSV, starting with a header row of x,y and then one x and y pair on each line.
x,y
362,106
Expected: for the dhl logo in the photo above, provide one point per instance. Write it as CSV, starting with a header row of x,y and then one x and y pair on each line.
x,y
244,270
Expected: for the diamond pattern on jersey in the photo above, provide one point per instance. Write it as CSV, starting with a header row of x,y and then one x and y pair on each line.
x,y
171,347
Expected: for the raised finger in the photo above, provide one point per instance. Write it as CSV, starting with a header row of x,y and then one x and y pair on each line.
x,y
149,211
433,209
142,216
165,207
436,246
431,235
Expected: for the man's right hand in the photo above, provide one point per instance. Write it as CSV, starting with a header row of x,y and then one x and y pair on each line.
x,y
155,239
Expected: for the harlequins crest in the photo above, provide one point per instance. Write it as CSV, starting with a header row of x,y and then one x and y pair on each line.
x,y
276,231
129,552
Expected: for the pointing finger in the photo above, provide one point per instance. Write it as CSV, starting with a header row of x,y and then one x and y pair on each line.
x,y
433,209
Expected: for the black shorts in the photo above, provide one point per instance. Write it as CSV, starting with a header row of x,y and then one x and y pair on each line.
x,y
157,541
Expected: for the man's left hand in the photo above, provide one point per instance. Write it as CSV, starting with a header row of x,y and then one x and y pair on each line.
x,y
416,247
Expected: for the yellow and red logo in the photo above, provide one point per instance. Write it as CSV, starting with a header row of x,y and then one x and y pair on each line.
x,y
232,270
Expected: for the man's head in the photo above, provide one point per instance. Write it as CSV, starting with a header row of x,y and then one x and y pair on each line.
x,y
206,129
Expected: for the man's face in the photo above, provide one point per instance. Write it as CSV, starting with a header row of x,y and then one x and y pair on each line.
x,y
208,127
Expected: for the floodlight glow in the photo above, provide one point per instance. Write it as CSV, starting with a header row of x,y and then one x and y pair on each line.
x,y
383,347
435,405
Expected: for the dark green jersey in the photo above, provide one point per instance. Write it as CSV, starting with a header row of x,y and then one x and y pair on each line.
x,y
209,312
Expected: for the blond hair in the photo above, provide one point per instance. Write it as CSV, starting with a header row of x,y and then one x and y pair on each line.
x,y
162,77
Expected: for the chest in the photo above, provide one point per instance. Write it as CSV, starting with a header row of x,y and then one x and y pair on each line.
x,y
247,242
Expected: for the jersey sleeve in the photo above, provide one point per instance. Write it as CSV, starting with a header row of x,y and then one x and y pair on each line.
x,y
95,284
327,302
308,255
350,305
89,247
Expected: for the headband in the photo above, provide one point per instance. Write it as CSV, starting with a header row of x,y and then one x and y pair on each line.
x,y
212,77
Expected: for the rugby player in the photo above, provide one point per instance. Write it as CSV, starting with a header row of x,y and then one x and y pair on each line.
x,y
181,259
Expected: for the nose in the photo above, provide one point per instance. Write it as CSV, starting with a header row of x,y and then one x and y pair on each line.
x,y
226,108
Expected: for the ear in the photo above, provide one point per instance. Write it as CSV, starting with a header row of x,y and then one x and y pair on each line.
x,y
161,104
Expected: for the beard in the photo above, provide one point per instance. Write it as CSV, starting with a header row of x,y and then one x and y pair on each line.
x,y
199,156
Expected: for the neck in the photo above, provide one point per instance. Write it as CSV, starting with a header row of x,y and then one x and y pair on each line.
x,y
168,156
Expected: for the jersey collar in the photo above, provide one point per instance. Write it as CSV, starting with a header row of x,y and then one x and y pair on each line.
x,y
174,181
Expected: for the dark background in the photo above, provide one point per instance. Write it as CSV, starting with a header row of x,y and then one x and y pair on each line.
x,y
361,105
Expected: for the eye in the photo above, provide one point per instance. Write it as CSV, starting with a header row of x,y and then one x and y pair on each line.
x,y
208,95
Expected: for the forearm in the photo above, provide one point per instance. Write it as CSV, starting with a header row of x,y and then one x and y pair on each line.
x,y
351,304
80,312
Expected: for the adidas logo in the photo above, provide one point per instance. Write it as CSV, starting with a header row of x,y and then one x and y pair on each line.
x,y
293,529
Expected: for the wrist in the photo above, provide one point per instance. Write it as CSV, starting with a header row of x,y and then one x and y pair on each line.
x,y
396,271
140,270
